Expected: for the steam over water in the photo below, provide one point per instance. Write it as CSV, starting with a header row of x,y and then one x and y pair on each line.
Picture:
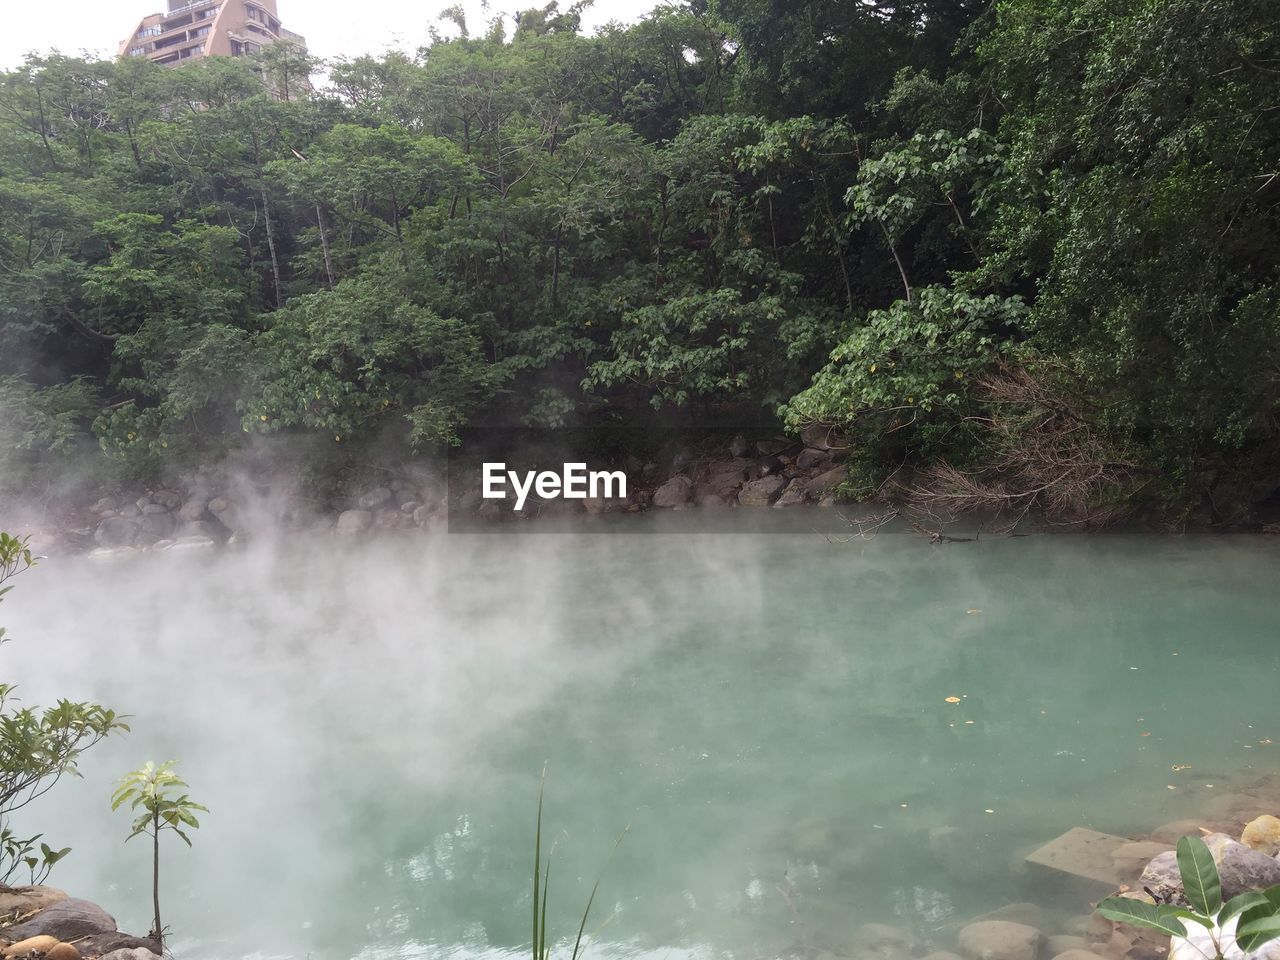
x,y
368,721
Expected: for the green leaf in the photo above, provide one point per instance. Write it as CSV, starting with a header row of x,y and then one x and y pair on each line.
x,y
1139,913
1245,901
1199,876
1253,934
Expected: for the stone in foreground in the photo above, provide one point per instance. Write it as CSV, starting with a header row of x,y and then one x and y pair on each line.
x,y
1000,940
1083,853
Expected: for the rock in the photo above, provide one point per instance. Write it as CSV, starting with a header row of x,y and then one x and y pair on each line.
x,y
38,944
810,458
19,901
825,483
1174,830
1062,942
120,946
115,532
1237,808
154,509
220,505
943,955
886,938
354,521
62,951
67,919
769,466
374,499
196,528
708,499
196,508
111,553
794,494
1000,940
1077,954
676,492
760,493
725,478
104,505
169,499
819,436
738,446
1262,834
1131,859
1027,914
191,544
421,515
1239,867
129,511
772,448
409,506
155,526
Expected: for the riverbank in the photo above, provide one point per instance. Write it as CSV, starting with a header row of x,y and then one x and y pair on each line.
x,y
43,921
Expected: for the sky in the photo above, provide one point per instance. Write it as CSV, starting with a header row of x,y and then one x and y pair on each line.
x,y
333,28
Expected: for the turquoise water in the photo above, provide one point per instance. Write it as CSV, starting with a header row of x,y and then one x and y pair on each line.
x,y
767,713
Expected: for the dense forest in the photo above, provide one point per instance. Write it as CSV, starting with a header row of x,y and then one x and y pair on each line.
x,y
1016,252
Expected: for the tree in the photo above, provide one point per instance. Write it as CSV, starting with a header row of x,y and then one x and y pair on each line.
x,y
153,792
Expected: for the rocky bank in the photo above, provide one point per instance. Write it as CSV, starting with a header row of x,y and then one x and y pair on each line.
x,y
44,922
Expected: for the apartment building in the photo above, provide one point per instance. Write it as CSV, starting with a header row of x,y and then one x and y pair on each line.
x,y
208,28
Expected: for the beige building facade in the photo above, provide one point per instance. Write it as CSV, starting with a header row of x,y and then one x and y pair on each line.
x,y
208,28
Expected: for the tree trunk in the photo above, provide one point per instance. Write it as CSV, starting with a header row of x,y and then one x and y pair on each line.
x,y
271,243
324,245
155,873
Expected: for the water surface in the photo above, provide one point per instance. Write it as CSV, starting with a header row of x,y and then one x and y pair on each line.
x,y
767,713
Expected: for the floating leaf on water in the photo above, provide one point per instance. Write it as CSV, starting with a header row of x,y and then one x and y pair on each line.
x,y
953,699
988,810
1265,741
1170,786
1144,733
969,721
972,610
1179,767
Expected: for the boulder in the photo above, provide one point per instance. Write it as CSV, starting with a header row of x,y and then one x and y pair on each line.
x,y
1236,808
421,515
196,528
810,458
31,945
885,938
111,553
1174,830
1131,859
196,508
676,492
772,448
155,526
191,544
409,506
738,446
943,955
129,511
154,509
67,919
62,951
120,946
762,492
115,532
1239,867
169,499
354,521
374,499
1262,834
819,436
1063,942
1078,954
794,494
1025,913
826,482
725,478
104,505
17,902
1000,940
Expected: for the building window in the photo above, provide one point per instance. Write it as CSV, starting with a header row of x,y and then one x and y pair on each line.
x,y
201,31
151,31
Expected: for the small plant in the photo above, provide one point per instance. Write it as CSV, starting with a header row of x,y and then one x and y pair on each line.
x,y
542,883
1258,910
151,789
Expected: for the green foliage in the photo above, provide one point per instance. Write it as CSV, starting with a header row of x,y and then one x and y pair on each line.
x,y
1258,911
37,747
158,796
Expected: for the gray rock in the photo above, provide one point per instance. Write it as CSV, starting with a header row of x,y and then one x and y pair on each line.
x,y
1000,940
762,492
129,511
409,506
115,532
67,920
197,508
220,505
196,528
819,436
810,458
120,946
111,553
738,446
374,499
794,494
169,499
676,492
421,515
708,499
154,509
1239,867
155,526
105,505
824,484
725,478
191,544
772,448
355,521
